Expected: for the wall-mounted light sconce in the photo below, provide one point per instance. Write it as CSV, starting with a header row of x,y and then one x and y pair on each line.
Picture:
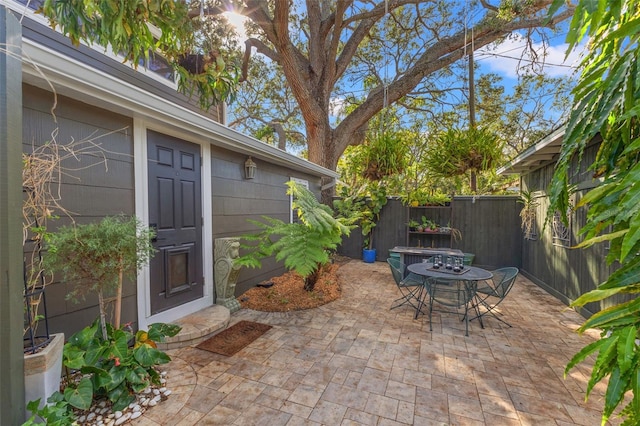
x,y
249,168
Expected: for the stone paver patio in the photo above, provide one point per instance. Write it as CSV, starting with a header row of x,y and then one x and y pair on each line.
x,y
354,362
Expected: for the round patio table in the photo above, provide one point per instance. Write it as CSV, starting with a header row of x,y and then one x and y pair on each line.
x,y
434,277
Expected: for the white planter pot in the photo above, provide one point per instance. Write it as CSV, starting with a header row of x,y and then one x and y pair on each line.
x,y
42,371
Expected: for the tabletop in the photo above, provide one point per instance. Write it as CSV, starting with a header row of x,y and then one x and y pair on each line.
x,y
472,274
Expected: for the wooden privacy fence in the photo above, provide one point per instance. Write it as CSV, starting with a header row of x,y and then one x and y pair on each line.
x,y
490,228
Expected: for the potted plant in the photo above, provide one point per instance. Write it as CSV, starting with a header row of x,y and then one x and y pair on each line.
x,y
41,179
413,224
98,256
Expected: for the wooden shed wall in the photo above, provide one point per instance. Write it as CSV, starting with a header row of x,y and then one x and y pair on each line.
x,y
87,192
235,200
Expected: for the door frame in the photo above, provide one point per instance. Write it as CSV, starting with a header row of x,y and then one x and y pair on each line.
x,y
145,318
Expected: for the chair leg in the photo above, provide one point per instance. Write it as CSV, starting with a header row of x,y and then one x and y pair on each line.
x,y
406,298
489,309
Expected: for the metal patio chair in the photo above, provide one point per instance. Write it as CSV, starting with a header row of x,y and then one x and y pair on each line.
x,y
410,285
490,294
451,294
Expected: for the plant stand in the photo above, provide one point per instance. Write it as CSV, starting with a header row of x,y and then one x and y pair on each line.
x,y
42,371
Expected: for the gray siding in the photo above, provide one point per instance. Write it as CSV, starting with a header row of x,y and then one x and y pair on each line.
x,y
563,271
88,192
236,199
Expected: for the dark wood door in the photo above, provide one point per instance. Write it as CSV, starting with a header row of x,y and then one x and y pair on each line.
x,y
175,212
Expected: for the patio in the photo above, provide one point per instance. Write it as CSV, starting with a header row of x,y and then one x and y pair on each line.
x,y
354,361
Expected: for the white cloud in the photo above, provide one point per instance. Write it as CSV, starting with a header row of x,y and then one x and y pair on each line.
x,y
503,58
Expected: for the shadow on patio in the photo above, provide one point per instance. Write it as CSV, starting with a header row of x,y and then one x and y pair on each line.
x,y
354,361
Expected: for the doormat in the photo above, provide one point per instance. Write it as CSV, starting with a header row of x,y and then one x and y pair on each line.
x,y
234,338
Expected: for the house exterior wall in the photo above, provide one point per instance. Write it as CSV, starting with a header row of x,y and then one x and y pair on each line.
x,y
561,270
235,200
88,192
92,190
97,95
39,32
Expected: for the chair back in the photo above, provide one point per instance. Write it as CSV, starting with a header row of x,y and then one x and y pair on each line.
x,y
397,269
504,278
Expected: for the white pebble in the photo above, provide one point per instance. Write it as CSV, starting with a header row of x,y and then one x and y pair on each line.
x,y
111,416
82,418
100,423
161,390
110,422
118,414
136,415
136,408
163,381
99,418
147,390
91,416
167,392
164,373
102,404
153,403
157,398
156,392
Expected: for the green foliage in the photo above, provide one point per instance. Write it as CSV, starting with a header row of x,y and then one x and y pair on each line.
x,y
110,368
304,246
57,413
99,254
125,27
362,205
606,103
385,155
96,252
456,152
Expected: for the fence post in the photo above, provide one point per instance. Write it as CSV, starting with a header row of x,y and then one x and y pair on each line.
x,y
11,275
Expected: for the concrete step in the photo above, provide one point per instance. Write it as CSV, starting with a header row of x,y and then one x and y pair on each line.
x,y
198,327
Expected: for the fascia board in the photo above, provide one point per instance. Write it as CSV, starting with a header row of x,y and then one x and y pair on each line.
x,y
43,66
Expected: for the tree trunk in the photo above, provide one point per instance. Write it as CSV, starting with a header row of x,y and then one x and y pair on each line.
x,y
311,280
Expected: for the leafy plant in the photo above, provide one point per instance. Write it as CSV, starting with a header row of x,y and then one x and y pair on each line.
x,y
386,155
42,171
528,212
304,247
112,368
109,368
606,103
458,152
56,413
99,255
362,205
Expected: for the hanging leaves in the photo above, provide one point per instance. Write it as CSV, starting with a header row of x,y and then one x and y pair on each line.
x,y
385,155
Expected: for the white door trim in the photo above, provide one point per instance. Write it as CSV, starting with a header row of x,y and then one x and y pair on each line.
x,y
145,318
